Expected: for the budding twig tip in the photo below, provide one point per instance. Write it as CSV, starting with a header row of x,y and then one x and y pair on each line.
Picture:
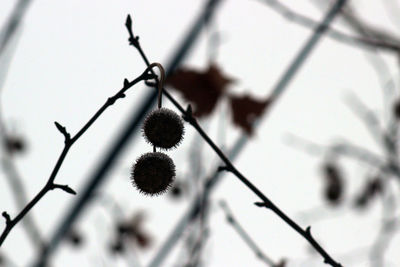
x,y
126,83
260,204
6,217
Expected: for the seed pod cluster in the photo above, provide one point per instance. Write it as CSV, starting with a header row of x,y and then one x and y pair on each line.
x,y
154,172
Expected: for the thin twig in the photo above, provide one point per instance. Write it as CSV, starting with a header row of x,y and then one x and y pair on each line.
x,y
389,135
382,70
195,246
245,236
364,42
376,60
68,142
340,148
367,116
386,139
345,148
19,194
305,51
200,234
387,230
361,26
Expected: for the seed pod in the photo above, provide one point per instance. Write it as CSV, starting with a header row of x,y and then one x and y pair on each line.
x,y
163,128
153,173
334,186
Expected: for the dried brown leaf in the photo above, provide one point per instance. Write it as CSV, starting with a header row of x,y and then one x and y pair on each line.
x,y
246,110
202,89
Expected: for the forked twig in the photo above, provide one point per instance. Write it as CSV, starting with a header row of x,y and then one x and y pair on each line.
x,y
68,142
364,42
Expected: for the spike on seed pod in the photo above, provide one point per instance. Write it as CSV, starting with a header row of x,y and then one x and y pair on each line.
x,y
153,173
163,128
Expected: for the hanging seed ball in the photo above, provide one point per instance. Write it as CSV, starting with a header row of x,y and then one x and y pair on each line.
x,y
153,173
163,128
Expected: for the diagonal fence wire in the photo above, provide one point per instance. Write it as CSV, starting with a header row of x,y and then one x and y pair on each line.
x,y
12,24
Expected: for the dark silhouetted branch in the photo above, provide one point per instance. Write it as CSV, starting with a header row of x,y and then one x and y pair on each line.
x,y
304,233
68,142
19,194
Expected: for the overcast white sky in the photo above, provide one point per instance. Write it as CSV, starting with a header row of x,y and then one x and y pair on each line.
x,y
72,55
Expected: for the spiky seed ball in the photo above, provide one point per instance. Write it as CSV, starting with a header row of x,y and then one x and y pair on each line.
x,y
153,173
163,128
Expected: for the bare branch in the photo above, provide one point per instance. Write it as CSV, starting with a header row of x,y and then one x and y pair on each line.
x,y
389,44
50,185
367,116
65,188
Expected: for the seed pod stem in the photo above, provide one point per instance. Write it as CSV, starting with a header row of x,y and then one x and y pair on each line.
x,y
160,82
